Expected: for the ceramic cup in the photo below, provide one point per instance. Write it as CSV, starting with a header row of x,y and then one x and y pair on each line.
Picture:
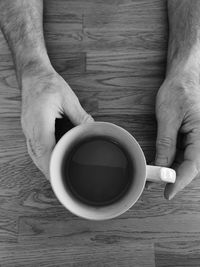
x,y
142,173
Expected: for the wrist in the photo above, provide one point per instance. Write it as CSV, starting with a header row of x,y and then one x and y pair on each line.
x,y
31,63
33,73
183,61
183,73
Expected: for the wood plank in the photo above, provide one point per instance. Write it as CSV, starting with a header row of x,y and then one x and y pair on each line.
x,y
29,194
112,80
68,63
92,40
6,62
125,102
115,102
151,219
91,7
114,25
149,63
60,32
8,80
8,227
10,131
58,254
61,7
125,14
167,228
179,254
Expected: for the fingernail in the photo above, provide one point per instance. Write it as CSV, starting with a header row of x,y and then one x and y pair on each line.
x,y
169,196
161,161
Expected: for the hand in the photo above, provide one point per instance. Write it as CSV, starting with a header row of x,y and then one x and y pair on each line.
x,y
46,97
178,110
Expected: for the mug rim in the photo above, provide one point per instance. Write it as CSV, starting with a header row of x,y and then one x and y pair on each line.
x,y
56,177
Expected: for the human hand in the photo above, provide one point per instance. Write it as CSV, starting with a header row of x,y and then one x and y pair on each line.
x,y
45,97
178,110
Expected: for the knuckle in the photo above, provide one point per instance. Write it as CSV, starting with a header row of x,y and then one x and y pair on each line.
x,y
86,118
165,142
194,165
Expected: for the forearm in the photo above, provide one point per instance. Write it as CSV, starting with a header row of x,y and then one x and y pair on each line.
x,y
21,22
184,35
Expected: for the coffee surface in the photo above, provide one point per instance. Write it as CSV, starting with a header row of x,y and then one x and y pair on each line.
x,y
98,171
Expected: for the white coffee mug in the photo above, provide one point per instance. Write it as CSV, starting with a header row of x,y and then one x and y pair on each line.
x,y
142,171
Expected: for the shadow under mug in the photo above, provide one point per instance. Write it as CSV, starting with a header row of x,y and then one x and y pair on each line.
x,y
142,172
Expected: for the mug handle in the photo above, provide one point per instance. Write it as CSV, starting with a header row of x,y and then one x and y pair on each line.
x,y
160,174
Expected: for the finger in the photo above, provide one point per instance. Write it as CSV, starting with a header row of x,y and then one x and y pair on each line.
x,y
186,172
188,169
41,141
166,142
75,111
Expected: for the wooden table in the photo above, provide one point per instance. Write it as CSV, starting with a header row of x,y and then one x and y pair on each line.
x,y
113,54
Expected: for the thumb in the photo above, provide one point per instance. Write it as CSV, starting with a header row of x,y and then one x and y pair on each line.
x,y
166,142
41,140
76,113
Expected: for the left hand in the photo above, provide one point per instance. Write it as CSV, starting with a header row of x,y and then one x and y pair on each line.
x,y
178,111
46,96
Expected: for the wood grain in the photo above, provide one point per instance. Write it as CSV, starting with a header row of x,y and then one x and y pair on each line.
x,y
113,55
58,254
178,254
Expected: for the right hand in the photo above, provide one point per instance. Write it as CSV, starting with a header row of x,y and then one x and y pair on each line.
x,y
46,97
178,112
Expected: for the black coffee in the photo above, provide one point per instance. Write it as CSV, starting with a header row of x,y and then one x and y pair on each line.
x,y
98,171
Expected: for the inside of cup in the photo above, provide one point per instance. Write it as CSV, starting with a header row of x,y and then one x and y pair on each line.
x,y
127,141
